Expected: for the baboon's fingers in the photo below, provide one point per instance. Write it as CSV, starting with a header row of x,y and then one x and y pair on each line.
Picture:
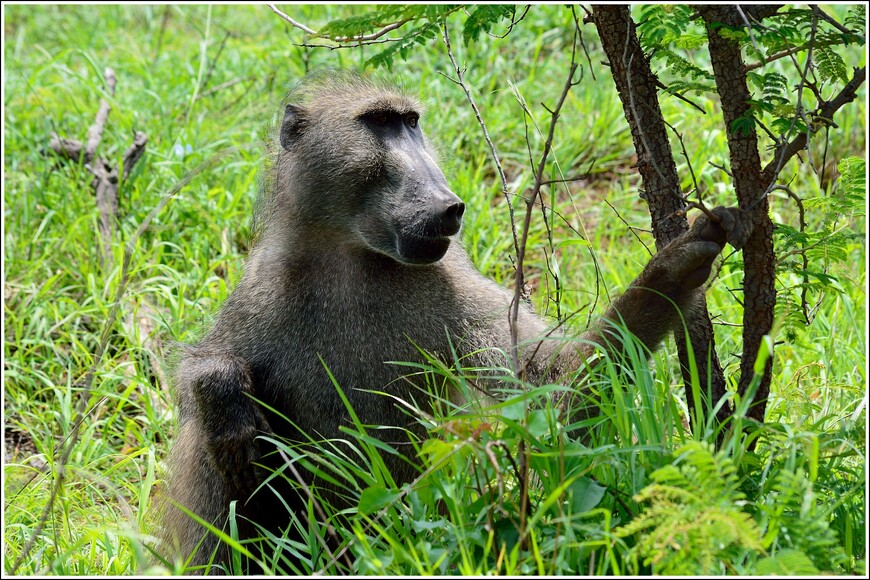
x,y
734,227
232,456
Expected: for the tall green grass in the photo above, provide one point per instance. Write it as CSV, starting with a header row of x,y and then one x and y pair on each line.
x,y
203,81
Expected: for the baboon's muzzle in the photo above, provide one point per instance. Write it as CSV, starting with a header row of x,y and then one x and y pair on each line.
x,y
427,240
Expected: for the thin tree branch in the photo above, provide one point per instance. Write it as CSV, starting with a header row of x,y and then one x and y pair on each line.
x,y
776,56
340,46
833,22
356,39
229,84
825,113
530,203
513,23
630,227
298,25
461,82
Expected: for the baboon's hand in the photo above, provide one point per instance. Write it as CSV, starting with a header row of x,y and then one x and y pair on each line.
x,y
230,421
685,263
235,450
734,227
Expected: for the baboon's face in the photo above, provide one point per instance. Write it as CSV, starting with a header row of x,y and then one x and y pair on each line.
x,y
409,212
377,176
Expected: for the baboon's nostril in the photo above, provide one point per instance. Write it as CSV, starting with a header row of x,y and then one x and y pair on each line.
x,y
453,217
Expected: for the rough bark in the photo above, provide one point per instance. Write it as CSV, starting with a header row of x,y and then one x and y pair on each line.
x,y
759,290
637,87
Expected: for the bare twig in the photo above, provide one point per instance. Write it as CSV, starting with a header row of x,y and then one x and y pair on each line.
x,y
298,25
530,204
683,98
833,22
579,30
106,176
573,178
513,315
225,85
743,17
95,133
776,56
341,46
513,23
163,22
214,61
134,152
630,227
723,169
461,82
105,186
558,298
633,106
67,149
686,155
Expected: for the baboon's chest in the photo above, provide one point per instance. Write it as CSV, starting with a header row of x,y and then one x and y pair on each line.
x,y
352,340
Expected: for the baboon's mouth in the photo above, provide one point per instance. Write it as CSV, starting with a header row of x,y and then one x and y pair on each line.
x,y
421,250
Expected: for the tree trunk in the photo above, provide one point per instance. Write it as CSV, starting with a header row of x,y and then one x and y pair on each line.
x,y
638,91
759,260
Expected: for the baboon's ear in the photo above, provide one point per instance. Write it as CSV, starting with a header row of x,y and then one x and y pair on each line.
x,y
292,125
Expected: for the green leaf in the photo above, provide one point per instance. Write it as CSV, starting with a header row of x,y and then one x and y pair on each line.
x,y
743,125
853,177
538,424
786,563
586,494
831,65
375,498
483,18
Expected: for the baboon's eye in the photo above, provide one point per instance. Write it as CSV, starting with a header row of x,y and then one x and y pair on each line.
x,y
380,119
411,120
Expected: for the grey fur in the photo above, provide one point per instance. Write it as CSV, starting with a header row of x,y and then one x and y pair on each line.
x,y
348,265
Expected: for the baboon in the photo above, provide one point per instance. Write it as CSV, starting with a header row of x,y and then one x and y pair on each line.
x,y
356,263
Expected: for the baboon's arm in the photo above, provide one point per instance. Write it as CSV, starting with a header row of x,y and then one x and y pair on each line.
x,y
671,283
220,388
